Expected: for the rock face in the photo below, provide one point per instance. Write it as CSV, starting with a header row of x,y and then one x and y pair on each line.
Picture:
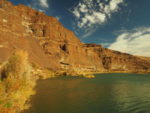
x,y
53,46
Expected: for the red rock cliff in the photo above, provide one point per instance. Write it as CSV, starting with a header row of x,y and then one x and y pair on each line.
x,y
53,46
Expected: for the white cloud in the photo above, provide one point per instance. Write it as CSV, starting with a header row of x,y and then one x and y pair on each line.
x,y
83,8
58,18
94,12
76,13
112,6
41,10
88,32
40,5
105,44
136,41
44,3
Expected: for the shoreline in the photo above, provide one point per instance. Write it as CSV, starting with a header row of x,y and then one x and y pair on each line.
x,y
113,72
42,73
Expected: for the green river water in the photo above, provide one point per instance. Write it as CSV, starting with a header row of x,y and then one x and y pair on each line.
x,y
107,93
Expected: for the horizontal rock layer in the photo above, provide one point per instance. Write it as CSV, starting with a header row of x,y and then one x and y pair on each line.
x,y
52,46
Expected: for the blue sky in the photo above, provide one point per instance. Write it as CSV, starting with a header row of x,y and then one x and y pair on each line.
x,y
122,25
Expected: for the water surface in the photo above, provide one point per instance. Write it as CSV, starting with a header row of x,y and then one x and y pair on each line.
x,y
107,93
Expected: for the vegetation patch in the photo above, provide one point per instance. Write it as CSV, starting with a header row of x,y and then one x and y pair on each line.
x,y
16,83
18,78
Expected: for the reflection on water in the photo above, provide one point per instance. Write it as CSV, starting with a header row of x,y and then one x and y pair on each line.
x,y
133,96
107,93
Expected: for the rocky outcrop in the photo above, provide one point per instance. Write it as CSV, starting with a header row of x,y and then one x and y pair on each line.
x,y
51,45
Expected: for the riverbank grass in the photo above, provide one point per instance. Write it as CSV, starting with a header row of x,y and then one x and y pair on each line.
x,y
16,83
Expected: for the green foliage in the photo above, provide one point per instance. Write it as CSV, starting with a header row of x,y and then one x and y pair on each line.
x,y
8,105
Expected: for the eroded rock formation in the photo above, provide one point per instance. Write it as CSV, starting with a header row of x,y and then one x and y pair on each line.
x,y
51,45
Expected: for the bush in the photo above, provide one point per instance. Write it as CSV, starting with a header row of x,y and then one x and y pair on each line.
x,y
16,82
15,85
17,66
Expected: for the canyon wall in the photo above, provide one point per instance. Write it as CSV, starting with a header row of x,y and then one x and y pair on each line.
x,y
52,46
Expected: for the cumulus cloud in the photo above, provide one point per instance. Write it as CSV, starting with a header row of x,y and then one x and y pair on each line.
x,y
43,3
40,5
93,12
112,6
136,41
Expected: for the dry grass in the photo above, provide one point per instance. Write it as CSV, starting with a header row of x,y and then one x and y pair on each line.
x,y
17,80
15,83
